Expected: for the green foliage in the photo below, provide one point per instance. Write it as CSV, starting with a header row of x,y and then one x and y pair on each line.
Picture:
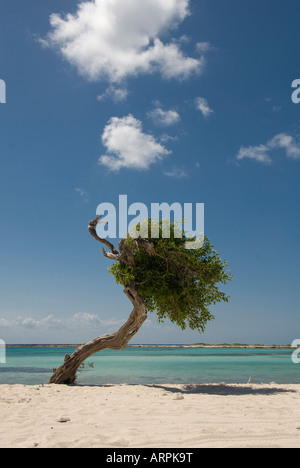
x,y
123,274
176,283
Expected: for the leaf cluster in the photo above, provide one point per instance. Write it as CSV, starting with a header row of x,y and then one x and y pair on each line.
x,y
176,283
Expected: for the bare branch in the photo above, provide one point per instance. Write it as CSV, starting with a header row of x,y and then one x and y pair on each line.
x,y
110,255
92,231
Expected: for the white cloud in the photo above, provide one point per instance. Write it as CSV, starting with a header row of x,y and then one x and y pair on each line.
x,y
114,39
261,153
164,118
117,94
165,138
47,322
202,106
83,194
204,47
7,323
78,320
184,39
128,147
177,173
85,318
287,142
171,62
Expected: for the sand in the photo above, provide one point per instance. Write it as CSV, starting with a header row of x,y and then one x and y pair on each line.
x,y
154,416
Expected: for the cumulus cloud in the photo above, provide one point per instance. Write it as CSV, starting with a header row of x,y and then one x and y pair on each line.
x,y
128,146
202,106
258,153
115,39
164,118
261,153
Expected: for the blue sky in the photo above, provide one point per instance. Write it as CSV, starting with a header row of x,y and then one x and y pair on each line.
x,y
164,101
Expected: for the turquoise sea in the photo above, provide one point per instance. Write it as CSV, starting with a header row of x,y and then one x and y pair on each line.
x,y
155,365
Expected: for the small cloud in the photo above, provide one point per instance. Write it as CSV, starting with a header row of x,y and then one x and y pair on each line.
x,y
84,320
83,194
202,105
165,137
184,39
258,153
128,146
116,94
204,47
164,118
261,153
28,322
7,322
177,173
287,142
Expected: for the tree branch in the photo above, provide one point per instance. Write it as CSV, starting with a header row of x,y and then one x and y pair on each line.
x,y
92,231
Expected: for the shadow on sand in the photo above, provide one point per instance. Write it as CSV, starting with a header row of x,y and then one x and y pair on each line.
x,y
223,389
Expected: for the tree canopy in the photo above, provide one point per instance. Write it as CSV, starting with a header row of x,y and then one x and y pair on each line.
x,y
175,282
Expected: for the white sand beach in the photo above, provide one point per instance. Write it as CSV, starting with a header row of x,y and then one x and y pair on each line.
x,y
154,416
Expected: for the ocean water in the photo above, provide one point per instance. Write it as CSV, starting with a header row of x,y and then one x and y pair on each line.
x,y
155,365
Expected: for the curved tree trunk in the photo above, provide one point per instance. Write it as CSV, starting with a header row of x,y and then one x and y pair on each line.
x,y
66,373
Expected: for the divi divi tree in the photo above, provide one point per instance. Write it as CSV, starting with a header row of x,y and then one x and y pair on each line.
x,y
158,275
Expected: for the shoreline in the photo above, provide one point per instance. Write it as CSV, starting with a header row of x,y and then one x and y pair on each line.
x,y
150,416
196,345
